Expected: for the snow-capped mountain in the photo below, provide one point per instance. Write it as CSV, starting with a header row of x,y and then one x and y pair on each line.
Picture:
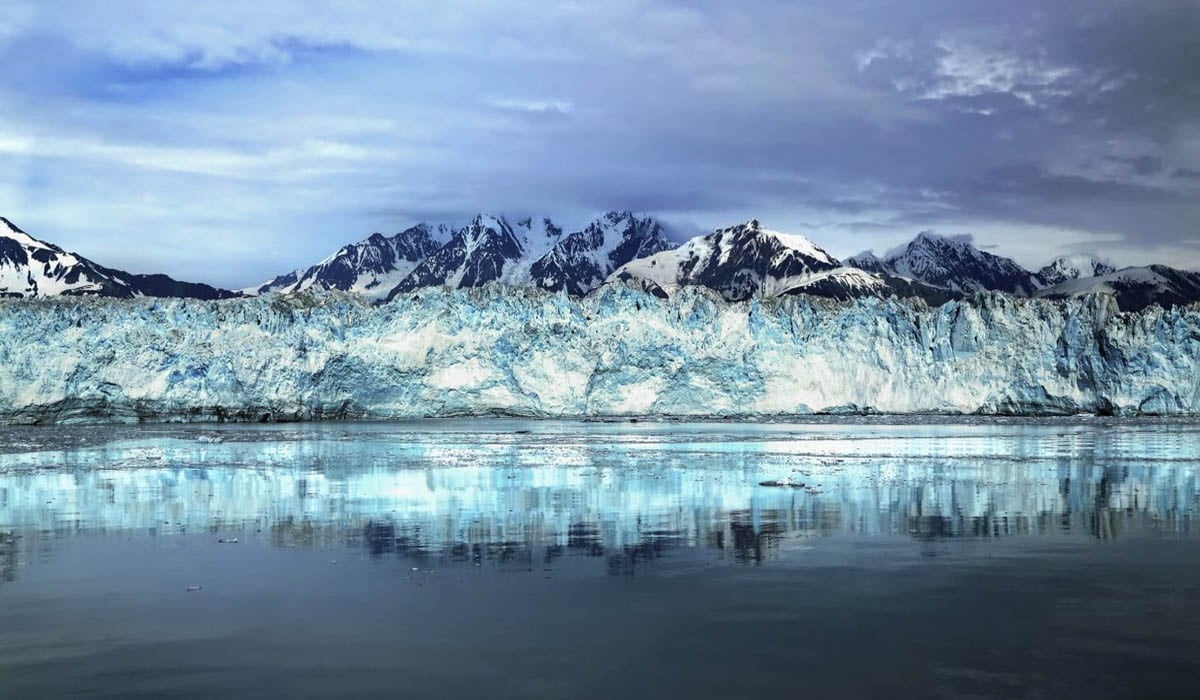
x,y
530,252
867,260
489,249
738,262
581,261
1073,267
952,263
1134,288
371,267
33,268
747,261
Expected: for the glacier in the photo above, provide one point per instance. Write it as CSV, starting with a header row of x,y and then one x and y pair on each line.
x,y
618,352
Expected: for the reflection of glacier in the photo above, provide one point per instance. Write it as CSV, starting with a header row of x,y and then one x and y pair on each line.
x,y
609,489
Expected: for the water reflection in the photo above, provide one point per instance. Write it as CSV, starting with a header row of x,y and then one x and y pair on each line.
x,y
496,497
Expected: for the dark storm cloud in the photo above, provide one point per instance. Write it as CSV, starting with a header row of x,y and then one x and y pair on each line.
x,y
214,132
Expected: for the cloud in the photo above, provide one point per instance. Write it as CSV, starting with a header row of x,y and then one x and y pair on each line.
x,y
965,70
537,106
231,142
1139,165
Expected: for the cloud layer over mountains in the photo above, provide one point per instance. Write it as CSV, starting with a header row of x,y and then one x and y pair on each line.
x,y
180,137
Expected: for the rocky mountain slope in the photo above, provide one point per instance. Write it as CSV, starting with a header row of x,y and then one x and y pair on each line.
x,y
1067,268
738,262
34,268
741,262
950,263
581,261
1134,288
536,253
371,267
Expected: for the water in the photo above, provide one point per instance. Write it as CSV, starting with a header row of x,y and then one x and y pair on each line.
x,y
508,559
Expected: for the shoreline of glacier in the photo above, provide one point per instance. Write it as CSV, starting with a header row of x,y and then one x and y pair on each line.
x,y
616,353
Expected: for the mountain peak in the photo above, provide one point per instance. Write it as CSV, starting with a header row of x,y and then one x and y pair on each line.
x,y
794,242
11,226
953,262
867,260
1072,267
19,236
932,239
617,216
738,262
493,221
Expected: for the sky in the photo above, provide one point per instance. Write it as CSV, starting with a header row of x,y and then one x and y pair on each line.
x,y
227,142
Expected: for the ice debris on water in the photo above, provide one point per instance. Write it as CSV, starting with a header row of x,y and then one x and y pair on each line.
x,y
784,482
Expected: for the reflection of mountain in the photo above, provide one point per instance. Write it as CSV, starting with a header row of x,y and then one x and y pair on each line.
x,y
624,496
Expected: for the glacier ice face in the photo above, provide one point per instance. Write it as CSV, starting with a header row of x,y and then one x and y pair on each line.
x,y
615,352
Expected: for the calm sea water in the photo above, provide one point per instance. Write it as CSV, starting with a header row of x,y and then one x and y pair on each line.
x,y
507,559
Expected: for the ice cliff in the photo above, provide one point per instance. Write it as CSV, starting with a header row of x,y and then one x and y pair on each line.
x,y
615,352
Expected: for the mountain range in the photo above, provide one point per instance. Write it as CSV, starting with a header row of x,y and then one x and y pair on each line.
x,y
738,262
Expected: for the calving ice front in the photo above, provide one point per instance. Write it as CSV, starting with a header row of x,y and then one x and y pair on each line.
x,y
615,352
